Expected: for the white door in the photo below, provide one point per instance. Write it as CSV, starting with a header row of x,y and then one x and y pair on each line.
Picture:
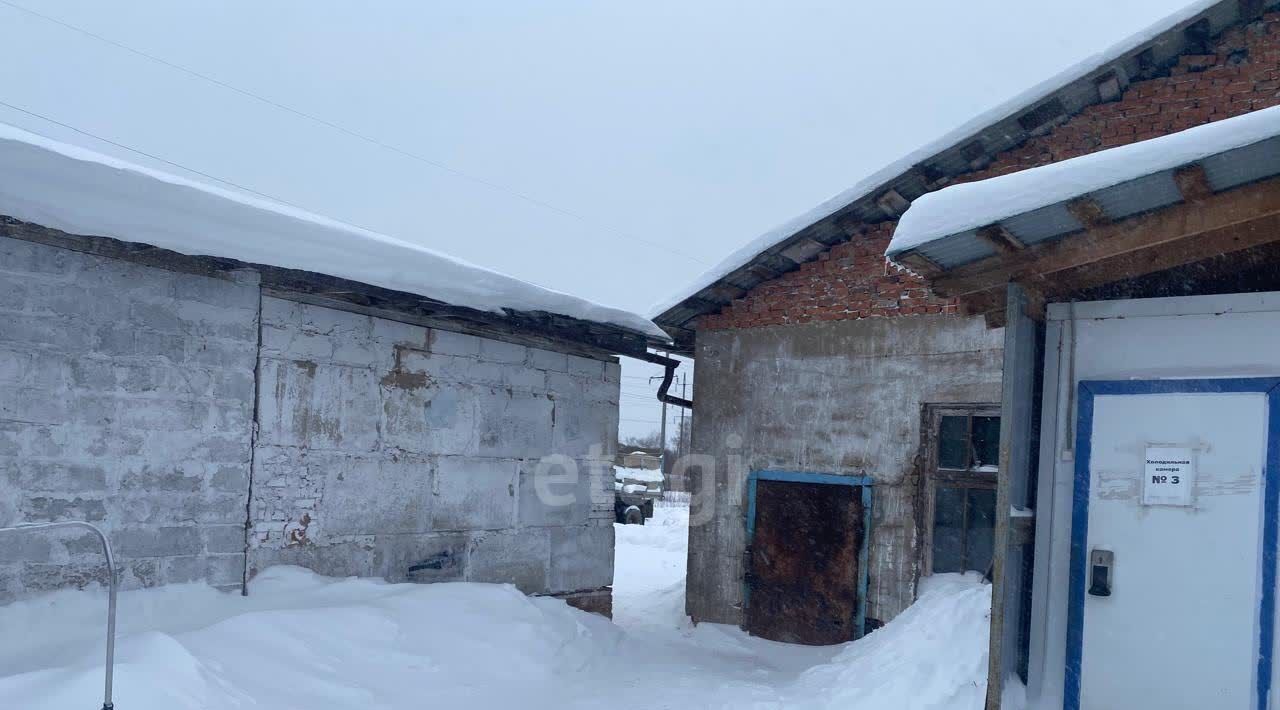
x,y
1166,600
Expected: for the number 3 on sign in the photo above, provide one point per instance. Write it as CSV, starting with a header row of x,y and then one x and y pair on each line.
x,y
1169,476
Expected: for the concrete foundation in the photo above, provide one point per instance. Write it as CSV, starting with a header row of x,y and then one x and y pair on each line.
x,y
594,601
841,398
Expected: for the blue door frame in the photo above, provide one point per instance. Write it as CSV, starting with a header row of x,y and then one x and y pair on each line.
x,y
1088,390
828,479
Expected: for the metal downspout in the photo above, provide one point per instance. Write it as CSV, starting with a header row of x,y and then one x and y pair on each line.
x,y
670,365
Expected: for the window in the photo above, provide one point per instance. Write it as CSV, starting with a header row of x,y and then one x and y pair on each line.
x,y
962,446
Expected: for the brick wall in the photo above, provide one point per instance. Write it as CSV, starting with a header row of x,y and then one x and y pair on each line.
x,y
852,281
847,282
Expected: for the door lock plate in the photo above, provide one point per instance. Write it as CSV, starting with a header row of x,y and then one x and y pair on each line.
x,y
1101,568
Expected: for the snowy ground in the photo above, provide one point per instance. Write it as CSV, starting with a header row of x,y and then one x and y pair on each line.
x,y
304,641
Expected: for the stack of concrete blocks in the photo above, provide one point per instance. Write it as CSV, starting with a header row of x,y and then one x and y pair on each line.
x,y
128,397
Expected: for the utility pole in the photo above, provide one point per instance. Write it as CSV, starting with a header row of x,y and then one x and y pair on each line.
x,y
662,437
684,429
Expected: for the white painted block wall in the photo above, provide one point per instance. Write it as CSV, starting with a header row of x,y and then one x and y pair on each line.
x,y
127,397
385,447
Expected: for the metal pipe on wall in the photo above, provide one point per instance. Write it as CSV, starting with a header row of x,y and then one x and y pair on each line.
x,y
669,364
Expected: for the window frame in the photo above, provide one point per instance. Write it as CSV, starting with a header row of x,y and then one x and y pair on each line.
x,y
934,475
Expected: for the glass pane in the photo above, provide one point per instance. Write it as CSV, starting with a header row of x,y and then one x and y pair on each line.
x,y
953,443
948,530
981,532
986,441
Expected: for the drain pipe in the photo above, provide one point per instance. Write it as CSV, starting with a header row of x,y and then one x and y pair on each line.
x,y
111,590
670,365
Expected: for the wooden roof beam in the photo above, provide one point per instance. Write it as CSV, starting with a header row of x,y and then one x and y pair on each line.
x,y
1193,183
983,302
920,264
1209,216
704,305
725,292
1088,212
762,271
1168,256
1000,239
850,225
990,304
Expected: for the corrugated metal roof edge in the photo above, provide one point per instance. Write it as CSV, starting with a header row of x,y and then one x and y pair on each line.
x,y
1255,170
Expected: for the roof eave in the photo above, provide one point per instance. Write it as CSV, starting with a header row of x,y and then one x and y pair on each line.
x,y
977,149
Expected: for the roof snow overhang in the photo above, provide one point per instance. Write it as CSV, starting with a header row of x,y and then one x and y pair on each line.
x,y
1109,216
79,199
889,192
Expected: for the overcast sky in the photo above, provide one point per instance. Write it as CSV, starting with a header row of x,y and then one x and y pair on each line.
x,y
611,150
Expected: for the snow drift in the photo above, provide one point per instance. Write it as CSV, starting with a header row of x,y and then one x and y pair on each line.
x,y
934,655
305,641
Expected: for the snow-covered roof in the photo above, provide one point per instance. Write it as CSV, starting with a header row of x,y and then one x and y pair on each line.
x,y
1001,122
83,192
960,209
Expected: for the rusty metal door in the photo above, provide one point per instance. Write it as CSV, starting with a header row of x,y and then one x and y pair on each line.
x,y
806,560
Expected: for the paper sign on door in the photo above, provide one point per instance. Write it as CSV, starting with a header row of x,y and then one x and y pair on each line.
x,y
1169,476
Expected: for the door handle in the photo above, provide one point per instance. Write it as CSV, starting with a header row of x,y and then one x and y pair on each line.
x,y
1101,568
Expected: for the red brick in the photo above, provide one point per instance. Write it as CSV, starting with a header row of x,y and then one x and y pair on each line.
x,y
851,281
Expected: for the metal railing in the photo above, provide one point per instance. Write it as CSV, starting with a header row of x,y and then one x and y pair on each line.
x,y
111,590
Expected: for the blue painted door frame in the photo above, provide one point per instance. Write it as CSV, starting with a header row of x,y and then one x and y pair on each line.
x,y
828,479
1088,390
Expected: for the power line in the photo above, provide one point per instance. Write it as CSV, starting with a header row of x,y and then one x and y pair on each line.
x,y
636,396
166,161
152,156
512,192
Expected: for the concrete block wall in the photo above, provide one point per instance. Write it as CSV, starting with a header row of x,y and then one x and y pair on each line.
x,y
840,398
865,414
126,399
410,453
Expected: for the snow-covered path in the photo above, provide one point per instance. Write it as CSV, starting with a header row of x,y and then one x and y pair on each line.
x,y
649,570
314,643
